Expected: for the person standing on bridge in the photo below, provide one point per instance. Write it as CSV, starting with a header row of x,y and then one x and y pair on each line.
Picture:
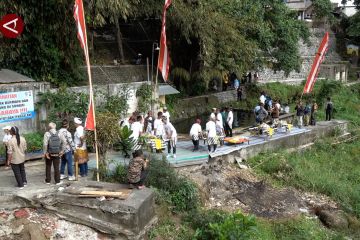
x,y
299,114
211,129
195,133
329,109
16,156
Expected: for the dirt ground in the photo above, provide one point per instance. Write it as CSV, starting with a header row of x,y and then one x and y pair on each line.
x,y
225,186
36,224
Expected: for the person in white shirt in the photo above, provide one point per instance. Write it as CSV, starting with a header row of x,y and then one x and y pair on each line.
x,y
159,126
195,131
211,129
166,113
220,131
263,97
219,117
80,147
137,129
171,137
213,114
7,137
229,121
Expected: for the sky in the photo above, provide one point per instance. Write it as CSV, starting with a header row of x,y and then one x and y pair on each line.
x,y
348,11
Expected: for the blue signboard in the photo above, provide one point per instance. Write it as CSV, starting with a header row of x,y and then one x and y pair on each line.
x,y
15,106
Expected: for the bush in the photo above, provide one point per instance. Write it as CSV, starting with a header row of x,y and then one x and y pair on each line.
x,y
34,141
216,224
181,193
118,175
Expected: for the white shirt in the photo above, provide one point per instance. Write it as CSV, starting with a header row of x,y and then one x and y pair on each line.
x,y
136,127
278,106
211,128
287,109
230,119
159,127
195,129
79,132
169,129
262,99
6,138
212,116
219,118
167,115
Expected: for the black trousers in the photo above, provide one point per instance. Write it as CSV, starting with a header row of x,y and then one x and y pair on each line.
x,y
196,144
173,147
19,172
55,161
228,130
328,115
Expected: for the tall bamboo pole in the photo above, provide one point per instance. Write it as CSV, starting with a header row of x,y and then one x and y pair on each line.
x,y
87,59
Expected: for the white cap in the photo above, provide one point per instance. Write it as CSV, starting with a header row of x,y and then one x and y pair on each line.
x,y
7,128
213,108
77,120
165,108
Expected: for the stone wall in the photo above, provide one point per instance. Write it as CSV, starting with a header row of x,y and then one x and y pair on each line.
x,y
307,53
195,106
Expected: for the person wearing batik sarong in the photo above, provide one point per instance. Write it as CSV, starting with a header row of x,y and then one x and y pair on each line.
x,y
220,133
195,133
211,130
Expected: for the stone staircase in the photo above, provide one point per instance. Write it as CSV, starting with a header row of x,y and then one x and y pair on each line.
x,y
307,52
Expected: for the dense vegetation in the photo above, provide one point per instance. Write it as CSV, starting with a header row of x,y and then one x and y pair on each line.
x,y
204,34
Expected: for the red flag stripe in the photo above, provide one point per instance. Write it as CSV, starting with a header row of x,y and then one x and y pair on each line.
x,y
310,82
164,58
81,27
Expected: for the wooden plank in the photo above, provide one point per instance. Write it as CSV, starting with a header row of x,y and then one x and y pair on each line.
x,y
105,193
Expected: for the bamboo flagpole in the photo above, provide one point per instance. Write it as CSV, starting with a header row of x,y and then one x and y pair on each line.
x,y
90,123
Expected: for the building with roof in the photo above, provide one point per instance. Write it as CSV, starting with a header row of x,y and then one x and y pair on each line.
x,y
11,84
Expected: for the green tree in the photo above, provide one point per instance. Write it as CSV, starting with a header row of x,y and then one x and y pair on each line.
x,y
48,49
322,8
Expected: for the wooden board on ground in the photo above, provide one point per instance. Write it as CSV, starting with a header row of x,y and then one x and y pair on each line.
x,y
96,192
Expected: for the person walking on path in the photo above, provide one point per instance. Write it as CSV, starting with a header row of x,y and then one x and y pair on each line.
x,y
195,133
229,122
171,136
329,107
307,113
299,114
6,139
54,147
137,170
314,109
81,154
16,156
211,139
67,158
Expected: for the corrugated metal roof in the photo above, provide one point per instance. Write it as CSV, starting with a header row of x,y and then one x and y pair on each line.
x,y
166,89
9,76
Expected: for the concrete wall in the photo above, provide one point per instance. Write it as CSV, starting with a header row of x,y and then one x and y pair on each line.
x,y
198,105
28,125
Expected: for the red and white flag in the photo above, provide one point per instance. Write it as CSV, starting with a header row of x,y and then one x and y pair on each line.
x,y
81,27
164,57
319,58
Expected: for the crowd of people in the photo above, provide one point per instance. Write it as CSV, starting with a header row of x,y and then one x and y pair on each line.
x,y
60,147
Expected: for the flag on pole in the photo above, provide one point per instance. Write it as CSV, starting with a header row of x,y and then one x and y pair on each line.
x,y
81,27
164,57
319,58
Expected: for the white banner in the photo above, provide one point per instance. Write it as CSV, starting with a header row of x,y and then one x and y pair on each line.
x,y
15,106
